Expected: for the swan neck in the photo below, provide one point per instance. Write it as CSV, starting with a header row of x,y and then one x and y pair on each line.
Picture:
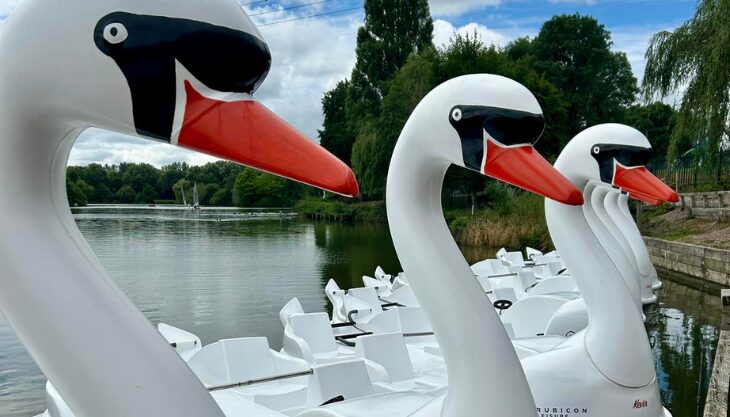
x,y
86,336
485,375
615,337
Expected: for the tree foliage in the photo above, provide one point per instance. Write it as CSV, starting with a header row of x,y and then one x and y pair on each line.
x,y
696,58
336,134
128,183
573,52
258,189
655,121
392,31
464,55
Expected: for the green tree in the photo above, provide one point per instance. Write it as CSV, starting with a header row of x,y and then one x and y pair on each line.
x,y
126,194
336,134
376,139
392,31
655,121
147,195
573,52
222,197
696,58
183,185
76,196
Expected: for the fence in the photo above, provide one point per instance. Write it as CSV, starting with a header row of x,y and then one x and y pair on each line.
x,y
691,173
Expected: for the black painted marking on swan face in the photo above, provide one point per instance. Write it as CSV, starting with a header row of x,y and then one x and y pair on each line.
x,y
508,127
629,156
146,47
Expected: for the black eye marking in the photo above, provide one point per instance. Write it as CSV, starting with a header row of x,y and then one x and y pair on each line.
x,y
508,127
146,48
607,154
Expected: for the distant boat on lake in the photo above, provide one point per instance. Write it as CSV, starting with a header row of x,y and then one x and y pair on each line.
x,y
182,192
196,200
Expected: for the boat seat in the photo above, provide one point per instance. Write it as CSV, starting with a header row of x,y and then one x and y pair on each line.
x,y
348,379
490,267
393,363
381,287
530,316
513,258
483,268
185,343
555,285
500,253
369,296
380,275
525,281
485,283
292,307
231,361
505,293
335,295
403,296
532,253
309,336
400,280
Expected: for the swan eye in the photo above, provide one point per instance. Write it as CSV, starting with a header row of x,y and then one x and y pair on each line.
x,y
596,150
456,115
115,33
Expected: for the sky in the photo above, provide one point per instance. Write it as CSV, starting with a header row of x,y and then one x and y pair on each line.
x,y
311,53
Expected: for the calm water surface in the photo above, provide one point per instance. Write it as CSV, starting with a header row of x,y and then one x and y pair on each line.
x,y
223,273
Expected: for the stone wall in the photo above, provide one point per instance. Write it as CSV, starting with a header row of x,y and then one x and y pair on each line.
x,y
701,262
715,205
717,396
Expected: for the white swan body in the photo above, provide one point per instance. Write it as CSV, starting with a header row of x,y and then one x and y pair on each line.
x,y
74,64
612,355
458,123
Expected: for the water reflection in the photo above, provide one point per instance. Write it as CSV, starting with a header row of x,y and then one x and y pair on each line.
x,y
226,273
685,332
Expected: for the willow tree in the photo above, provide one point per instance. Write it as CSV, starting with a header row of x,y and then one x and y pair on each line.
x,y
694,58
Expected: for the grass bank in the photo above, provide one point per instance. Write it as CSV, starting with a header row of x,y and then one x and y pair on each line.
x,y
514,223
511,219
672,223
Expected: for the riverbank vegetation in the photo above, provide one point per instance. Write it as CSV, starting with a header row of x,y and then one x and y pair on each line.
x,y
336,210
569,66
514,219
671,223
218,184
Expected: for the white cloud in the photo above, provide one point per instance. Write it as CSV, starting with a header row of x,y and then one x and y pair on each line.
x,y
7,6
458,7
443,31
104,147
308,58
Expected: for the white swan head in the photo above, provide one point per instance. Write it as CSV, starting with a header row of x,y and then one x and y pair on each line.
x,y
488,124
178,71
617,155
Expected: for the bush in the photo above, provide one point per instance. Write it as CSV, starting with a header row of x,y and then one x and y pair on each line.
x,y
367,212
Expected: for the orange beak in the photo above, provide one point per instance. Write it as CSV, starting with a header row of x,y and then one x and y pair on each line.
x,y
248,133
643,185
646,199
524,167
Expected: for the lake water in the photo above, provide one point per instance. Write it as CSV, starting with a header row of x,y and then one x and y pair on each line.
x,y
223,273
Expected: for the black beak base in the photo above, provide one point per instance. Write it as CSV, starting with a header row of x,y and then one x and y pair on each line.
x,y
146,48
